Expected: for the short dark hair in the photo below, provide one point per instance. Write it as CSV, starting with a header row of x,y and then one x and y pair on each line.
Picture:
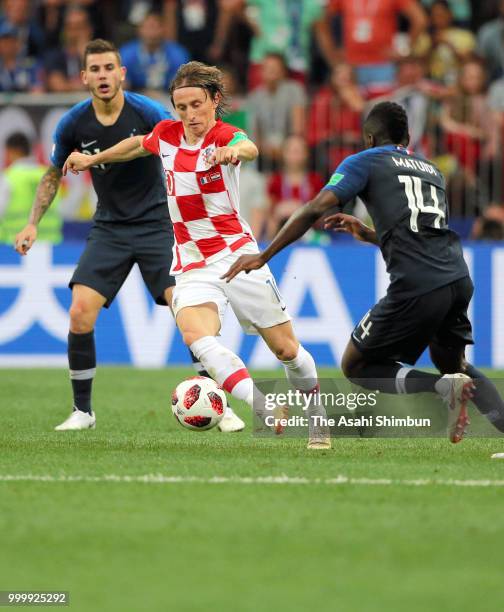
x,y
18,141
99,45
209,78
444,3
388,122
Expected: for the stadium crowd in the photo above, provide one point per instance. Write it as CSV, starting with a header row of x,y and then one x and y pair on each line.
x,y
302,74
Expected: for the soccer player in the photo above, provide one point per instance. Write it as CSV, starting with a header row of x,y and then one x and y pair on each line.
x,y
201,157
131,224
430,290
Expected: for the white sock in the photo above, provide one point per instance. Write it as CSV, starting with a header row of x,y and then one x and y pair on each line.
x,y
301,371
229,371
302,374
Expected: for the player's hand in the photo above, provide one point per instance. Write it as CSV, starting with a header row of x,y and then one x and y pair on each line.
x,y
224,156
245,263
25,239
341,222
77,162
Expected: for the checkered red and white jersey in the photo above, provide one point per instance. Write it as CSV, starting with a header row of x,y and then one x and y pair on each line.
x,y
203,200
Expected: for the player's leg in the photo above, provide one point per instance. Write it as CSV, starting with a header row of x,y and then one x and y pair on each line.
x,y
231,422
258,305
390,334
199,302
301,372
393,377
84,310
485,396
297,362
153,253
394,332
199,326
384,374
102,269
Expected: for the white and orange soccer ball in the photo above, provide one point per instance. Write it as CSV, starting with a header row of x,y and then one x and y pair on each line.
x,y
198,403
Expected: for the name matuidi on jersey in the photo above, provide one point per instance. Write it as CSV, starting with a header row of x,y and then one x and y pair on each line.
x,y
414,164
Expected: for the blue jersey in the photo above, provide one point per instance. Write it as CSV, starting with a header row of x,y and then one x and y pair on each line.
x,y
405,196
128,192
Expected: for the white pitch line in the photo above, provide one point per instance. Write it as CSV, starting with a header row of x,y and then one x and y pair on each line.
x,y
245,480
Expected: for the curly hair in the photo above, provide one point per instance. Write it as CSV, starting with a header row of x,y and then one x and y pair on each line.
x,y
388,122
209,78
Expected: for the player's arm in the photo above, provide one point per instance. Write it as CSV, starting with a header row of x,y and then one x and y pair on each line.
x,y
296,226
240,148
348,181
126,150
417,18
341,222
45,194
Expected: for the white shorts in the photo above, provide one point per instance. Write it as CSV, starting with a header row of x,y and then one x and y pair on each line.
x,y
254,297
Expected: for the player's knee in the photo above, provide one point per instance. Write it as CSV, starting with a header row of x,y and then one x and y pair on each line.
x,y
351,362
350,368
190,336
82,317
287,350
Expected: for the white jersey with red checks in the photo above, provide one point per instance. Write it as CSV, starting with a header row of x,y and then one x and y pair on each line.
x,y
203,200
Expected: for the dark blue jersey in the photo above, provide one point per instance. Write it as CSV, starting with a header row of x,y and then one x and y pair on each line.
x,y
406,198
127,192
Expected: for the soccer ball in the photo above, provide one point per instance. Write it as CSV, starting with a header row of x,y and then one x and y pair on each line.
x,y
198,403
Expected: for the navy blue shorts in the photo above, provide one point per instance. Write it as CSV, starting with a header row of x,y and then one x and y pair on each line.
x,y
111,251
401,329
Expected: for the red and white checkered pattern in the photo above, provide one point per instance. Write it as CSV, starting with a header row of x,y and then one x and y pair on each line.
x,y
203,200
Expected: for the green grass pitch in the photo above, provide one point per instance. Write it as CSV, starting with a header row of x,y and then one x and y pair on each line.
x,y
244,544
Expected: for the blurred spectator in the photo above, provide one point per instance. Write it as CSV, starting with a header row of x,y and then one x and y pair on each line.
x,y
292,186
151,60
483,12
253,199
370,29
203,27
412,93
17,72
236,49
135,11
491,45
468,121
334,119
283,27
416,93
18,184
446,45
490,226
496,97
99,14
237,113
50,16
277,109
63,66
18,14
460,9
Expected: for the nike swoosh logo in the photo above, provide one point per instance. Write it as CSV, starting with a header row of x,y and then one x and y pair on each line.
x,y
165,155
84,145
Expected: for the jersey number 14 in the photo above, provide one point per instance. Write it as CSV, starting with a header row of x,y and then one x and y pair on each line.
x,y
417,202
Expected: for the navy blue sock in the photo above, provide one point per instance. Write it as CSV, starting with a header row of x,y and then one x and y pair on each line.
x,y
486,397
82,365
394,378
